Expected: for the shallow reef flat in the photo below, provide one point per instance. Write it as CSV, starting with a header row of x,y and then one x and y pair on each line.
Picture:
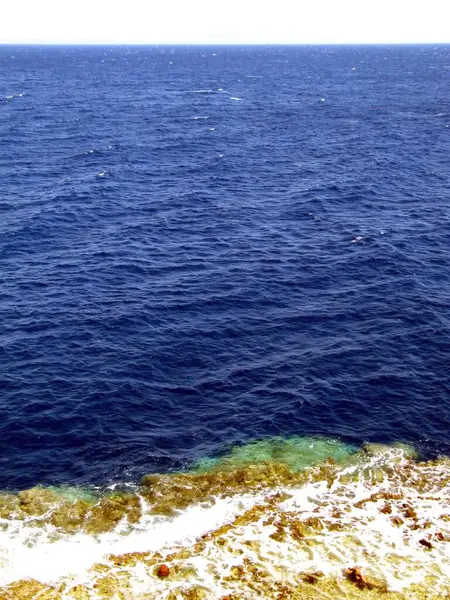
x,y
366,523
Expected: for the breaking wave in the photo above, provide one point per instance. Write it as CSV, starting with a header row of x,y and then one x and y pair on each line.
x,y
294,518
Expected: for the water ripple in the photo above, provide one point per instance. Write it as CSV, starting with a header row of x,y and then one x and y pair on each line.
x,y
172,284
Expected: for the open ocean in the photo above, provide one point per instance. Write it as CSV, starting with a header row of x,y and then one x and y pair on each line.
x,y
215,263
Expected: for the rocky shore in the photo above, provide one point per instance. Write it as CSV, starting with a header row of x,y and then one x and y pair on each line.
x,y
373,525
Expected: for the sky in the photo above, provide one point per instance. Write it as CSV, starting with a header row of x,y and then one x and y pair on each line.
x,y
224,21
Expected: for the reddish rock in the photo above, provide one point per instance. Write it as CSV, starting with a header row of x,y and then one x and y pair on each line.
x,y
354,575
386,509
426,543
409,512
163,571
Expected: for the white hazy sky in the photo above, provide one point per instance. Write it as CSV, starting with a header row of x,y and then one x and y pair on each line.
x,y
224,21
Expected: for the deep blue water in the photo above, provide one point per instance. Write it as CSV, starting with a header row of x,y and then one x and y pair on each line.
x,y
203,246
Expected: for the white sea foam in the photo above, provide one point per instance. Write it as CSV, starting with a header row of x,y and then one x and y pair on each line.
x,y
11,96
369,529
380,522
39,553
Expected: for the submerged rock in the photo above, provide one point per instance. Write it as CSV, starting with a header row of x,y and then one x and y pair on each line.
x,y
297,453
166,494
109,511
37,501
273,534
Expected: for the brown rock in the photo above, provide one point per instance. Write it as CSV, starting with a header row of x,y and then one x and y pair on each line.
x,y
279,535
37,501
8,504
236,573
354,575
107,513
163,571
24,589
409,512
196,593
78,592
107,586
314,522
376,497
312,578
70,516
426,543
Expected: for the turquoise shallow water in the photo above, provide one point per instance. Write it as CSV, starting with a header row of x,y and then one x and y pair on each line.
x,y
297,453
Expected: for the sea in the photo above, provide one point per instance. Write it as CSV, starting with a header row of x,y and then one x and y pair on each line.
x,y
224,322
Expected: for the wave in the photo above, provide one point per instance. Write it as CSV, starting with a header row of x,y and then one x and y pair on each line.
x,y
293,518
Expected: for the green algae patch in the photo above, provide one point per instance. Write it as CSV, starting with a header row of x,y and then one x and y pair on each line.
x,y
72,493
295,539
297,453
